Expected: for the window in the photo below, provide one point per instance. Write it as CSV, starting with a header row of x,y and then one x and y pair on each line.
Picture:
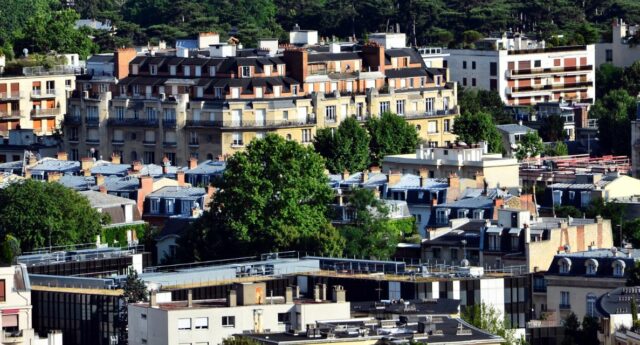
x,y
201,323
478,214
285,115
436,253
592,266
473,81
537,63
454,253
186,207
120,111
432,127
330,113
3,291
464,65
92,113
284,317
237,139
149,157
591,305
494,242
184,324
306,135
464,81
618,268
246,71
294,90
170,205
463,213
565,301
228,321
515,242
473,65
585,198
170,115
153,69
447,125
186,71
609,55
385,107
564,265
442,216
572,195
429,102
154,206
493,69
400,107
557,197
152,114
445,103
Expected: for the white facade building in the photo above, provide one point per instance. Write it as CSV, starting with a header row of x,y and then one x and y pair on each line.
x,y
525,75
620,52
247,309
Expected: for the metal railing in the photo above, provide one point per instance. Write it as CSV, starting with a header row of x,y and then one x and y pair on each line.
x,y
46,112
426,114
9,114
250,124
134,122
10,95
72,119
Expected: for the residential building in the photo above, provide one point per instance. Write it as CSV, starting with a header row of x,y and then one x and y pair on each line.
x,y
121,211
183,107
616,319
167,239
433,57
17,325
525,72
19,141
635,144
248,307
511,135
175,201
35,98
623,49
575,116
205,173
625,337
462,161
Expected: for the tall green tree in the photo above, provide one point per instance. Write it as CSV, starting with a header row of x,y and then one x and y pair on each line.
x,y
390,135
558,148
274,196
472,128
484,101
608,77
372,234
346,148
552,128
529,146
38,213
614,113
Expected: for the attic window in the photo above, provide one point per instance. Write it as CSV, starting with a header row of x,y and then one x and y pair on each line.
x,y
592,266
153,69
618,268
246,71
564,265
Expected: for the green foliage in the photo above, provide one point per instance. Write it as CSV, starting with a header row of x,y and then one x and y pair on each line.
x,y
372,234
590,325
610,210
633,275
491,320
134,291
558,148
274,197
239,340
608,77
35,212
552,128
483,101
614,113
472,128
568,211
118,235
470,37
10,249
529,146
346,148
390,134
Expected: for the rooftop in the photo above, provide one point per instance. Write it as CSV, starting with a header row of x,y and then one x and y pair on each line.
x,y
514,128
104,200
182,192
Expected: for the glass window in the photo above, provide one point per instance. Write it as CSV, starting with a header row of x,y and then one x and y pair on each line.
x,y
400,107
154,205
565,299
618,268
170,206
385,107
591,305
429,102
330,113
201,323
246,71
228,321
184,323
493,69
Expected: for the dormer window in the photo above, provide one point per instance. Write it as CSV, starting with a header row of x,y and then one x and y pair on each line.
x,y
478,214
463,213
572,195
186,71
246,71
172,70
198,71
258,92
618,268
564,265
442,216
217,92
592,266
294,90
123,90
134,69
153,69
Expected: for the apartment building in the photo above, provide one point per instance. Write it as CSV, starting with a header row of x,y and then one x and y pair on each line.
x,y
210,106
35,98
623,50
525,72
246,308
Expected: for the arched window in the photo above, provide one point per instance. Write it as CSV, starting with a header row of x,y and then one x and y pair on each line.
x,y
591,266
591,304
618,268
565,265
209,156
418,127
288,136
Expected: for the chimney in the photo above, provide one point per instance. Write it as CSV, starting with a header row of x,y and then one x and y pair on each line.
x,y
27,173
32,160
115,158
232,299
102,189
99,179
86,164
190,298
296,61
316,293
339,295
288,295
365,176
479,179
153,300
373,56
145,188
498,203
323,292
345,174
434,200
454,182
393,177
62,156
122,57
180,177
376,193
193,162
374,169
53,176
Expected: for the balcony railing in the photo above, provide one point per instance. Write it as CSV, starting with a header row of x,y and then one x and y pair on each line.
x,y
528,71
169,144
194,143
12,336
251,124
72,120
117,142
133,122
149,142
169,123
564,306
427,114
93,141
578,85
13,114
47,93
45,112
92,121
11,95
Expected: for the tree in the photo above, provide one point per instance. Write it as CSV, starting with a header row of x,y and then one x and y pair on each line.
x,y
590,327
608,77
477,101
488,318
390,134
10,249
529,146
134,291
614,113
346,148
372,234
571,327
274,196
567,211
633,275
470,37
631,78
558,148
633,309
239,340
474,128
41,213
609,210
552,128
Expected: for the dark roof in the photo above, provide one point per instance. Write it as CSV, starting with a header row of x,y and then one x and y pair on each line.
x,y
604,258
101,59
174,227
406,73
617,301
321,57
440,306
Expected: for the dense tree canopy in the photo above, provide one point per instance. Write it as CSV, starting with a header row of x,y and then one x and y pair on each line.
x,y
390,134
35,212
529,146
274,196
344,148
477,101
552,128
614,113
472,128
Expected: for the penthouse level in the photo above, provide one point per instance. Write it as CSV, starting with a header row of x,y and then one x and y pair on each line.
x,y
210,106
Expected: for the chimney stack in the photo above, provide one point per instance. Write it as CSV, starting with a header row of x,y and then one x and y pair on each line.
x,y
53,176
136,166
374,169
86,164
115,158
288,295
122,57
145,188
232,299
180,177
345,174
27,173
153,301
62,156
99,179
32,160
394,177
193,162
102,189
190,298
316,293
339,295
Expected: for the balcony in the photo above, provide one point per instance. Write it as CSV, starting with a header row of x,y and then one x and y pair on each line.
x,y
73,140
194,143
429,114
169,144
72,120
551,70
169,123
251,124
9,96
92,121
149,142
45,112
117,142
564,306
9,337
128,122
93,141
47,93
550,87
9,115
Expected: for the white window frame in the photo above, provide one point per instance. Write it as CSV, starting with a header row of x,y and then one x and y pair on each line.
x,y
229,321
400,106
384,107
201,323
184,324
170,206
